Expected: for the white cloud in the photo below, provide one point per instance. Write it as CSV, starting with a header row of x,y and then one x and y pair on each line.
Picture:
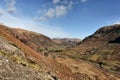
x,y
61,10
10,4
50,13
46,14
56,1
40,18
56,10
40,11
70,5
1,12
118,22
115,21
83,0
28,24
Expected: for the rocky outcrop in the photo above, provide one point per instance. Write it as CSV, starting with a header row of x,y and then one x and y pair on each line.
x,y
9,48
10,70
14,65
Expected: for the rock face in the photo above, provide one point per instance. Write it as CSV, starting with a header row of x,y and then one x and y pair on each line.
x,y
9,48
67,42
10,70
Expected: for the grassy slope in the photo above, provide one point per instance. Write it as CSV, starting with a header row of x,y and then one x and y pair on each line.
x,y
100,47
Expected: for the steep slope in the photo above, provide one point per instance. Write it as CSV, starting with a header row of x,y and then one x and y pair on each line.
x,y
67,42
58,69
99,39
14,65
36,41
103,47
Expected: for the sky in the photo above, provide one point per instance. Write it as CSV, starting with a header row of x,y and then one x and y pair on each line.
x,y
60,18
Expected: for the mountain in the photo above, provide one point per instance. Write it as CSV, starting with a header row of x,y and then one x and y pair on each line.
x,y
36,41
33,58
101,47
19,60
67,42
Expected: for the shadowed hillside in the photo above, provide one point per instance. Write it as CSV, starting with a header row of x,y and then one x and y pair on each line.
x,y
103,47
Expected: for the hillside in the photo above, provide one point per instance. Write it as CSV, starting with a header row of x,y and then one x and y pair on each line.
x,y
20,60
101,47
14,65
36,41
67,42
100,38
34,57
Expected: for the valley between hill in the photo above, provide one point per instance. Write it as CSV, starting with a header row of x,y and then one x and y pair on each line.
x,y
26,55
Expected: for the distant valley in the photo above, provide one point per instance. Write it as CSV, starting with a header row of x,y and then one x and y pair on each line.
x,y
67,42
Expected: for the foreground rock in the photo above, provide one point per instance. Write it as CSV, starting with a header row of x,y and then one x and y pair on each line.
x,y
14,65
